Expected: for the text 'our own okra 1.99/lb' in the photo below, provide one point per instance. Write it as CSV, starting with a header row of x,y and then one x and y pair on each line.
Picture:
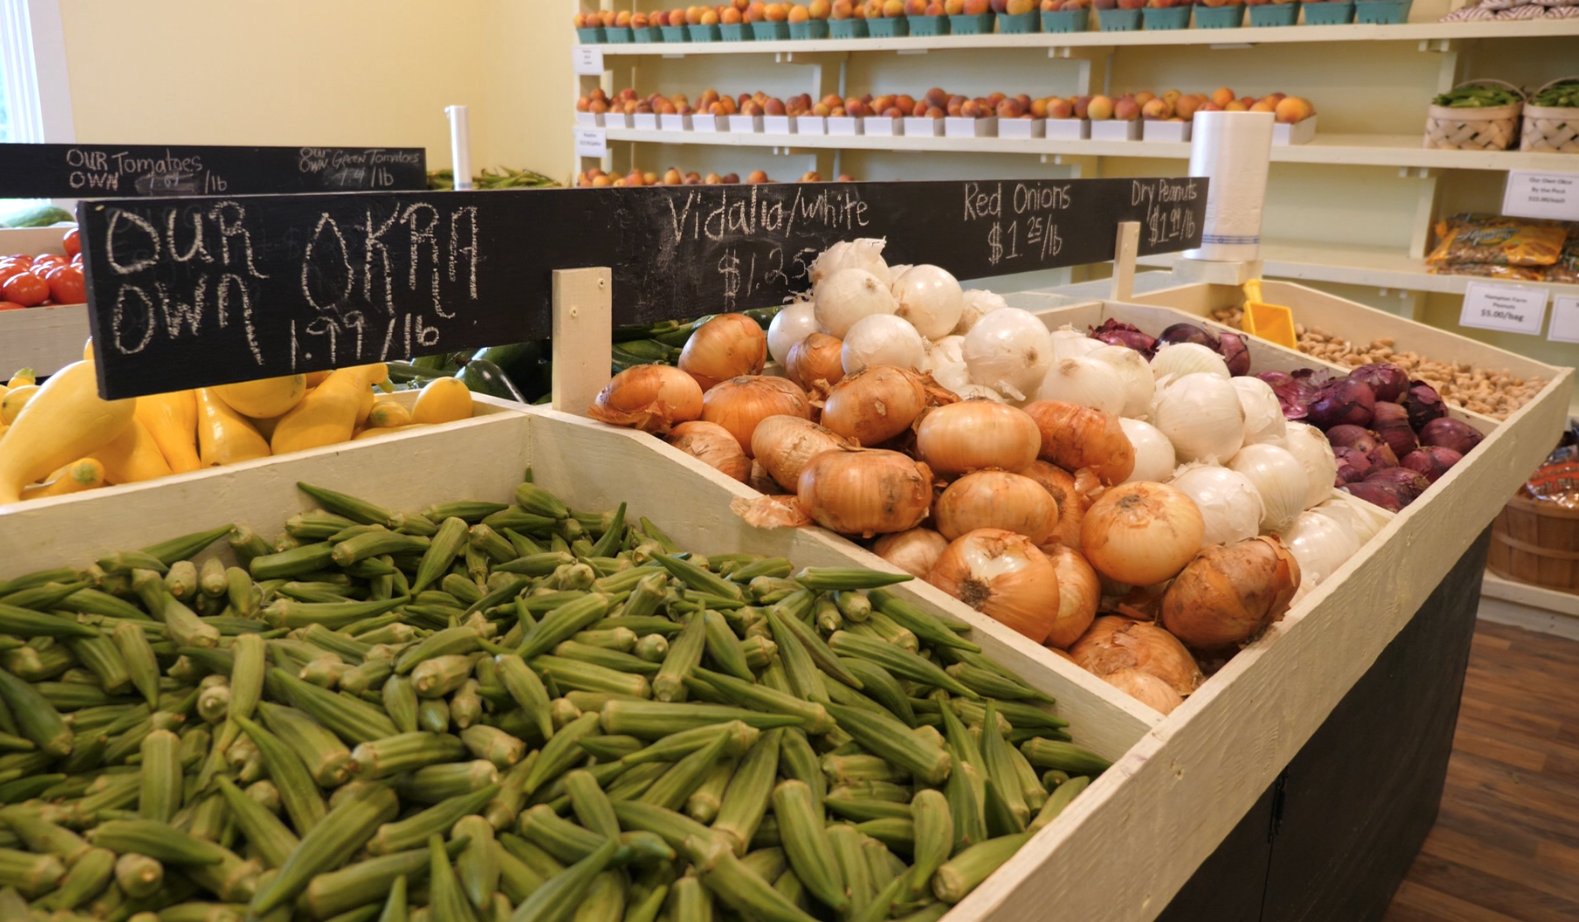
x,y
501,711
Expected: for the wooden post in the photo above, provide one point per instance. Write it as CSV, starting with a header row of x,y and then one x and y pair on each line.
x,y
1124,251
583,315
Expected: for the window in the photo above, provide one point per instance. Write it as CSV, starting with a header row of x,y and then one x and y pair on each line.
x,y
35,95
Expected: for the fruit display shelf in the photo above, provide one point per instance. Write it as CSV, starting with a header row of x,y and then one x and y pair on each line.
x,y
1350,149
1244,35
41,338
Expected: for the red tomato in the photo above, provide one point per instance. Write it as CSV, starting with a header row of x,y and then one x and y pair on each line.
x,y
25,289
9,269
10,306
71,243
46,262
65,286
21,259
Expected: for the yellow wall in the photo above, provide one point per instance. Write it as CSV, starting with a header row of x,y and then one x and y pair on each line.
x,y
310,72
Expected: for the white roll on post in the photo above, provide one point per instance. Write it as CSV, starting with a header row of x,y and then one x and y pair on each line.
x,y
1234,151
460,145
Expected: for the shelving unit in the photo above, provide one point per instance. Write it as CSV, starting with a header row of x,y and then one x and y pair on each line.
x,y
1354,208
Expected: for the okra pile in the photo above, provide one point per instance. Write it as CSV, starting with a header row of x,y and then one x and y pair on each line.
x,y
490,711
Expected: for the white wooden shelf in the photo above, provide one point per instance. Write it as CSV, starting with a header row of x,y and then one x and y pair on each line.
x,y
1407,32
1378,267
1348,149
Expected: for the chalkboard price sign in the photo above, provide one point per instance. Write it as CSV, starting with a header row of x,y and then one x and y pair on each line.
x,y
207,290
89,170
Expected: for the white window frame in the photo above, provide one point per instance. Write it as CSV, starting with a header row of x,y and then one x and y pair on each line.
x,y
38,85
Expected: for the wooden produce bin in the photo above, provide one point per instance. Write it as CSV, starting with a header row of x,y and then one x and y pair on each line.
x,y
41,338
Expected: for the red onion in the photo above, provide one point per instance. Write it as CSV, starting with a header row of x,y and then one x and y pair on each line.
x,y
1382,456
1431,461
1423,404
1343,401
1347,436
1413,483
1188,333
1450,433
1353,465
1294,391
1118,333
1390,422
1379,493
1389,382
1231,346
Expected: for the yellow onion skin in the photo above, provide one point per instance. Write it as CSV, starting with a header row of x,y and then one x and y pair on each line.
x,y
996,499
1141,533
1074,437
874,404
1228,593
712,445
728,346
1072,503
865,492
741,404
1145,688
784,444
651,398
1002,575
1115,643
816,362
1079,591
913,551
976,434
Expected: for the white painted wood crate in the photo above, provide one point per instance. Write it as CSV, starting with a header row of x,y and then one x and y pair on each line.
x,y
41,338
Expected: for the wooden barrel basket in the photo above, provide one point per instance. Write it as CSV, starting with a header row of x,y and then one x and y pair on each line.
x,y
1536,543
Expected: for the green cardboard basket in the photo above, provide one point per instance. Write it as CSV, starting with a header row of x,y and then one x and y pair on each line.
x,y
770,31
1275,14
618,35
1118,20
1065,20
646,34
703,33
1219,17
735,32
929,25
1329,13
979,24
1381,12
897,27
811,28
590,36
1174,17
674,34
1019,23
847,28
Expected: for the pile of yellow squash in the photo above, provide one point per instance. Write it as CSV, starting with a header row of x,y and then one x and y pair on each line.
x,y
61,437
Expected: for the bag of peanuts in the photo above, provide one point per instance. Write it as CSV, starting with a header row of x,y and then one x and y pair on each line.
x,y
1494,271
1557,479
1500,242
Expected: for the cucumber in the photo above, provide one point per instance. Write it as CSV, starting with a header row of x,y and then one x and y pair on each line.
x,y
36,216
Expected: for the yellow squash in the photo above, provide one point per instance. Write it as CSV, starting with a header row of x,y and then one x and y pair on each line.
x,y
15,399
84,474
223,435
387,414
133,456
376,433
377,374
87,348
21,378
172,419
443,400
264,397
65,421
315,378
328,414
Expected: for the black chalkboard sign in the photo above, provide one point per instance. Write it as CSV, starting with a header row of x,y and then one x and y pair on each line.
x,y
196,291
157,170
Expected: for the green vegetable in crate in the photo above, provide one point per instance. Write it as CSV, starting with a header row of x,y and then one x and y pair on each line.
x,y
503,178
1477,96
409,709
1564,94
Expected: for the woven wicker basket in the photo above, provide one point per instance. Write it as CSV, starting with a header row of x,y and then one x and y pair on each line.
x,y
1474,129
1549,129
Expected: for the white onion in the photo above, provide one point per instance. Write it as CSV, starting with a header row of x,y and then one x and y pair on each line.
x,y
930,298
1086,382
849,295
1009,350
1180,359
971,391
865,253
977,302
1200,414
1229,503
1139,383
1280,479
1363,519
882,339
1154,458
1069,342
1264,423
945,361
792,324
1320,544
1315,455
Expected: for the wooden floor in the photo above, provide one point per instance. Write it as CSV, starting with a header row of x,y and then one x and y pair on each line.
x,y
1506,844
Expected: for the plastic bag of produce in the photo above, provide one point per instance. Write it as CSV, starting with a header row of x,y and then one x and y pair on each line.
x,y
1500,244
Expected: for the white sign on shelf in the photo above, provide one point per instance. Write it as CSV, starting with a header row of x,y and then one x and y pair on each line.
x,y
588,60
1510,308
592,142
1542,194
1565,320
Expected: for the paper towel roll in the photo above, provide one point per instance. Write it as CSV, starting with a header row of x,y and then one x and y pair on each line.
x,y
1234,151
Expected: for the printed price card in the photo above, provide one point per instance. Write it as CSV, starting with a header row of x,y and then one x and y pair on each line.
x,y
592,142
587,60
1565,320
1510,308
1535,194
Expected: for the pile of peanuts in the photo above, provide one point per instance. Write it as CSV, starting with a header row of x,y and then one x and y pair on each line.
x,y
1490,393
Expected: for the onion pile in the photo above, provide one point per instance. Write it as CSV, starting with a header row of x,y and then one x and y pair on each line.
x,y
728,346
713,445
1002,575
740,404
1228,593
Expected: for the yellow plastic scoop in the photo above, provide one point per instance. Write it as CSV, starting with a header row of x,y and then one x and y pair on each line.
x,y
1271,322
